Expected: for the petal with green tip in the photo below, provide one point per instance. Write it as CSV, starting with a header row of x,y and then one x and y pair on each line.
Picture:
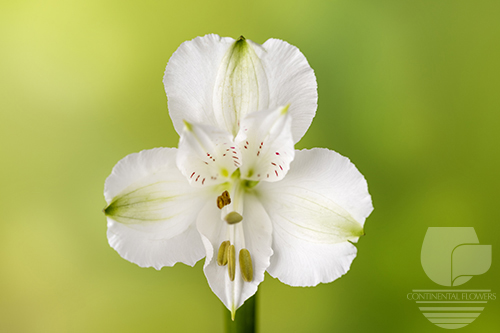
x,y
152,209
318,211
217,81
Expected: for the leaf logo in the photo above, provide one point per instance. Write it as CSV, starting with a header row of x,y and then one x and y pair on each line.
x,y
452,256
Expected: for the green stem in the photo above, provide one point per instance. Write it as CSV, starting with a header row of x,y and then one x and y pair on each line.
x,y
245,319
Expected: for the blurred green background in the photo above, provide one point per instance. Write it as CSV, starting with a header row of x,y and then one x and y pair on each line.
x,y
408,90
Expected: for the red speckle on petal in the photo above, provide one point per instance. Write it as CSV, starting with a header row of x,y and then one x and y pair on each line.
x,y
273,163
203,181
277,153
281,168
192,175
276,172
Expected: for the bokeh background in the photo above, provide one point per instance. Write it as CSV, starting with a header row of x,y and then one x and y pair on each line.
x,y
408,90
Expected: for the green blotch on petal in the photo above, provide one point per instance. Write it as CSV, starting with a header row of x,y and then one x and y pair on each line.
x,y
250,173
236,174
240,45
284,110
248,184
189,127
224,172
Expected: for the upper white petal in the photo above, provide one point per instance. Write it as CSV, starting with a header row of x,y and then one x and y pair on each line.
x,y
190,80
317,210
217,81
253,233
151,210
266,145
291,80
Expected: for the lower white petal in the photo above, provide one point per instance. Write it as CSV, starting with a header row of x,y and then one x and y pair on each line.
x,y
151,210
253,233
316,210
146,251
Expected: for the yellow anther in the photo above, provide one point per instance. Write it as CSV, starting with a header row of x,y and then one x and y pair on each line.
x,y
233,217
223,200
220,202
231,262
222,254
246,265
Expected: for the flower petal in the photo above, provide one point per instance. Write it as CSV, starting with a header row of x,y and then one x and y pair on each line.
x,y
207,155
151,210
190,79
240,86
253,233
217,81
291,81
140,248
317,210
266,144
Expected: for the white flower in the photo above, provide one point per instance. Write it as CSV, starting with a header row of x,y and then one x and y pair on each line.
x,y
236,191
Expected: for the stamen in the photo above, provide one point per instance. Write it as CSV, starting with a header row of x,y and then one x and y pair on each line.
x,y
220,202
223,200
246,265
222,254
233,217
231,262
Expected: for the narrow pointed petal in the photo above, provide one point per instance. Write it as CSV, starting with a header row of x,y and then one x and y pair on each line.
x,y
207,155
152,209
317,211
241,85
291,81
266,144
255,232
217,81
